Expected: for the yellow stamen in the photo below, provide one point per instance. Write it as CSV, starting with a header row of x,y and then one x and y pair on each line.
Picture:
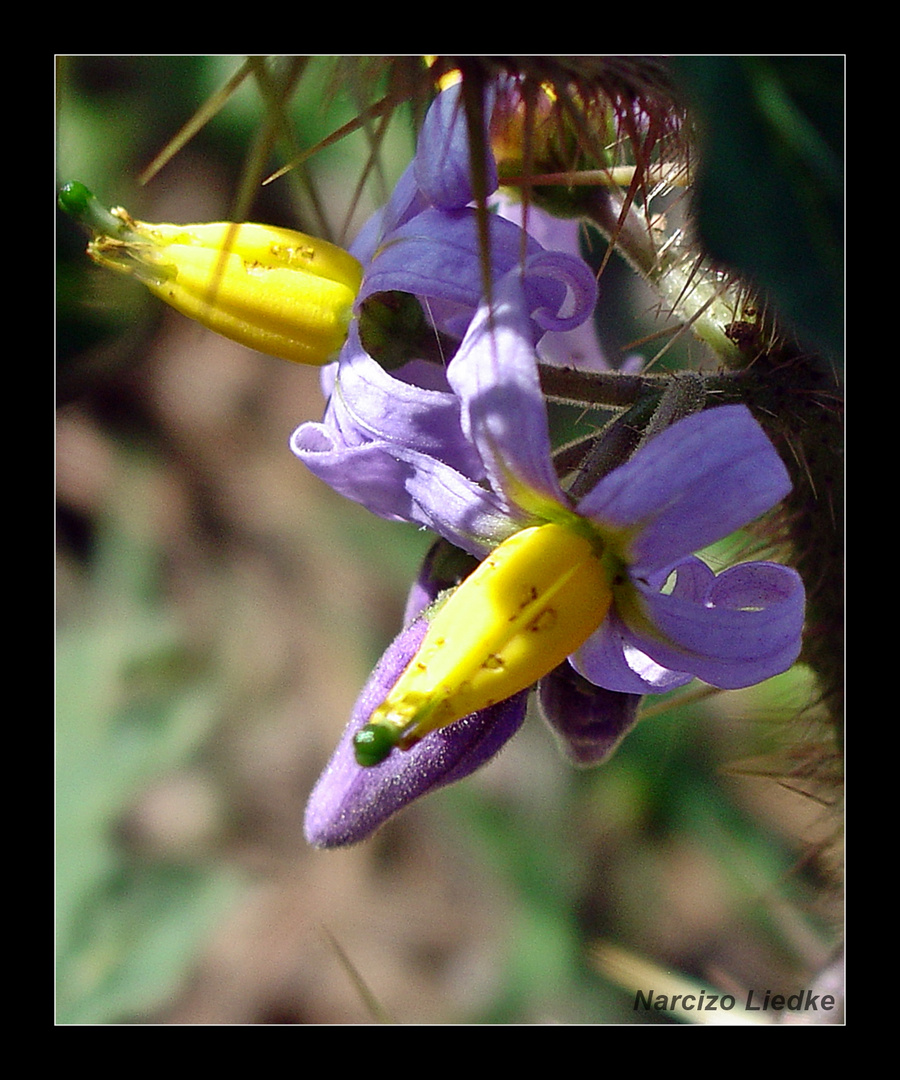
x,y
532,602
275,290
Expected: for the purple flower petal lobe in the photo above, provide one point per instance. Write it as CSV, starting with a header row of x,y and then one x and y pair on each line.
x,y
350,802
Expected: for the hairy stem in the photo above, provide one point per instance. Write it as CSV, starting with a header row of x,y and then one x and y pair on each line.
x,y
705,299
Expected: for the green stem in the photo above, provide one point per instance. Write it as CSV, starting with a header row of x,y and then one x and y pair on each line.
x,y
597,389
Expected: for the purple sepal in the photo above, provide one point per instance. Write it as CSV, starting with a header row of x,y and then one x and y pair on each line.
x,y
350,802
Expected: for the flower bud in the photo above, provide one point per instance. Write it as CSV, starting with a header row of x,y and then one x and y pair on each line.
x,y
272,289
532,602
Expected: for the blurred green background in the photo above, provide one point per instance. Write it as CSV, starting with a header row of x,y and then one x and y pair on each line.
x,y
218,611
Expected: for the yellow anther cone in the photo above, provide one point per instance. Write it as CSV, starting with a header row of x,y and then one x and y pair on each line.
x,y
532,602
275,290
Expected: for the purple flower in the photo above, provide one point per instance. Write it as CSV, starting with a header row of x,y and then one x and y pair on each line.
x,y
671,618
395,441
693,484
380,429
464,450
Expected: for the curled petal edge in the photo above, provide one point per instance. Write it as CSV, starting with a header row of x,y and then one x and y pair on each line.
x,y
732,630
572,273
746,629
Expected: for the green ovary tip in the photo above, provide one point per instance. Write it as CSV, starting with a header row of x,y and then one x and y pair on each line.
x,y
75,199
373,743
81,204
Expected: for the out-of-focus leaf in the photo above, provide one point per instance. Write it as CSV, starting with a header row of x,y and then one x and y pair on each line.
x,y
131,704
769,195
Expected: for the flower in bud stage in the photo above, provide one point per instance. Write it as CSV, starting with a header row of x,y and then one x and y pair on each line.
x,y
349,802
272,289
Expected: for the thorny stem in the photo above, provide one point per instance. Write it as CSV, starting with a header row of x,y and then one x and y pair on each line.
x,y
685,394
614,176
611,389
594,388
614,445
698,295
